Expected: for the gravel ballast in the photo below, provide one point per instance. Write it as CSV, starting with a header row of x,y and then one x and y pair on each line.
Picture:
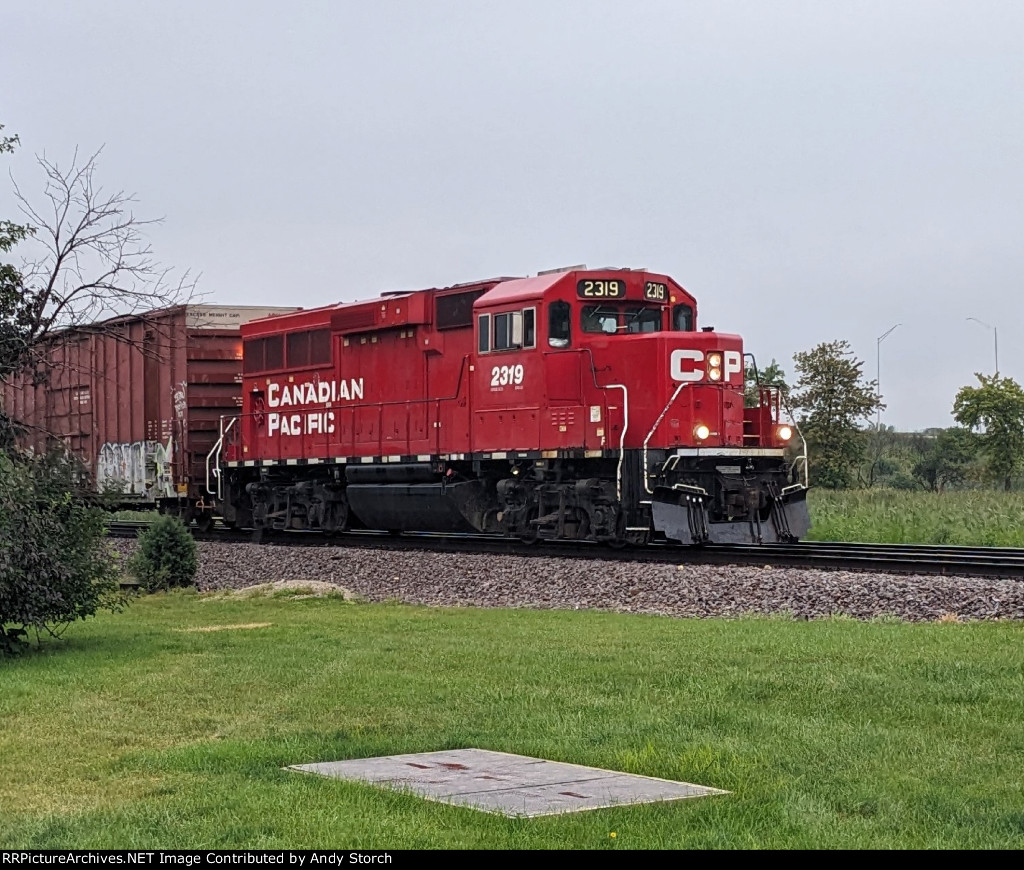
x,y
584,584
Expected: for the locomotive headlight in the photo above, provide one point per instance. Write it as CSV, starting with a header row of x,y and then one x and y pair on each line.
x,y
715,366
785,433
702,432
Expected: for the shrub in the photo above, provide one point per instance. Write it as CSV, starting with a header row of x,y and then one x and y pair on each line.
x,y
112,494
166,557
55,566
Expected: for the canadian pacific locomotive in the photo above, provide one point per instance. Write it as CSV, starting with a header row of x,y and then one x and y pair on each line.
x,y
579,404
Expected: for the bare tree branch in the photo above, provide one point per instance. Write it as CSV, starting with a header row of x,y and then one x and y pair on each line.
x,y
90,258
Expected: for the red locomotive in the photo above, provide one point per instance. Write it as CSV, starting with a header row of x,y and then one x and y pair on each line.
x,y
580,404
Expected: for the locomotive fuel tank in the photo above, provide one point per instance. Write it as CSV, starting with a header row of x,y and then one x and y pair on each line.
x,y
420,507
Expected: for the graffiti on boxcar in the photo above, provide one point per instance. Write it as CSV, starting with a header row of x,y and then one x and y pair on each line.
x,y
140,470
179,400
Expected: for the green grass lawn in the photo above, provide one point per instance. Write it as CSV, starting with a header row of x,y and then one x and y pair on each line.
x,y
993,519
135,734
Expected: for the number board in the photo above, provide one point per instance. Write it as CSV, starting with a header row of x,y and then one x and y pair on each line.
x,y
655,292
601,289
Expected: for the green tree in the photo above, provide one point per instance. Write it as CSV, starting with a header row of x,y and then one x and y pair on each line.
x,y
996,408
771,375
55,566
880,445
166,556
54,563
834,399
946,458
15,300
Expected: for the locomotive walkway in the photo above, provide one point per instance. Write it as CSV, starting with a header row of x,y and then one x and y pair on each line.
x,y
825,555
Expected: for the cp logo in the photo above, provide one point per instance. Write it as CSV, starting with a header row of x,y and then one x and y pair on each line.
x,y
688,365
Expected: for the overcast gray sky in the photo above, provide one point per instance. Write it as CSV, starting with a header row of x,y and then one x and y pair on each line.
x,y
809,170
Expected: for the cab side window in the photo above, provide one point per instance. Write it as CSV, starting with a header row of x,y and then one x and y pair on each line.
x,y
682,318
559,313
504,330
507,330
483,343
529,327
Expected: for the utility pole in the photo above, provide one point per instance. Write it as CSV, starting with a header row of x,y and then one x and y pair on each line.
x,y
995,338
878,375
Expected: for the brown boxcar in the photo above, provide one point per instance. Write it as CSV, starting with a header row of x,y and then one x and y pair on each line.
x,y
138,400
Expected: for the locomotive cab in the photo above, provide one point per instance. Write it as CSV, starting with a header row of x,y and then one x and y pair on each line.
x,y
648,404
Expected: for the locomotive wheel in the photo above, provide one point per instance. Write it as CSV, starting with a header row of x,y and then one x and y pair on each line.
x,y
340,519
620,541
640,539
343,520
261,534
532,533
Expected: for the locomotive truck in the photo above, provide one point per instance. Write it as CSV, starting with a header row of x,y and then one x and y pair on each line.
x,y
578,404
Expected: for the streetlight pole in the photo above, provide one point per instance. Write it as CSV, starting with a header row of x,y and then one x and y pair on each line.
x,y
995,338
878,375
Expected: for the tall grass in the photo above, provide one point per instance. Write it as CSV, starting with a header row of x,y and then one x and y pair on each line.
x,y
993,519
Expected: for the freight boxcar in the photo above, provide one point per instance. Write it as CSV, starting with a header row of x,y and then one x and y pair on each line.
x,y
138,400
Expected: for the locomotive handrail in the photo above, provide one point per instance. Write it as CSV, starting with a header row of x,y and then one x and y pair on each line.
x,y
783,394
216,449
647,440
625,418
622,437
689,487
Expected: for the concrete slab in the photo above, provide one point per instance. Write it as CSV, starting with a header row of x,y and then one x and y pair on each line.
x,y
512,785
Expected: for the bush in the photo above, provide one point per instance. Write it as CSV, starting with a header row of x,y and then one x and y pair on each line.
x,y
166,557
55,566
112,494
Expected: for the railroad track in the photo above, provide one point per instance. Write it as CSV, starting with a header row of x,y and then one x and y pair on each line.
x,y
826,555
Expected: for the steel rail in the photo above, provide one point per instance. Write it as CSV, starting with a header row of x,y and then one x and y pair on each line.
x,y
827,555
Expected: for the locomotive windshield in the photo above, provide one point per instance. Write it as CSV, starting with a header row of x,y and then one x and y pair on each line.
x,y
645,319
599,318
611,319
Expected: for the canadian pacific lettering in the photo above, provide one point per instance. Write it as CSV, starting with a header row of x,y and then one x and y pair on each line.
x,y
312,393
308,422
